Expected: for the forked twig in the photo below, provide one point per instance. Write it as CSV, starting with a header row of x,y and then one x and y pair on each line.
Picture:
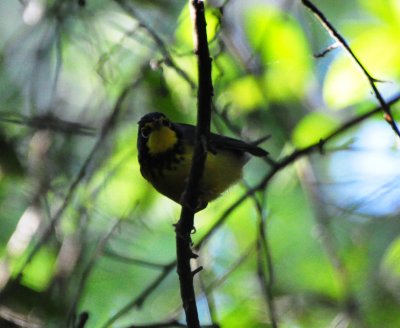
x,y
372,81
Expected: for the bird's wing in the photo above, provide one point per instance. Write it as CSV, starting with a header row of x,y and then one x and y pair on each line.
x,y
223,142
218,141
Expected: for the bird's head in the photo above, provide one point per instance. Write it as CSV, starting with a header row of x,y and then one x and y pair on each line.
x,y
156,134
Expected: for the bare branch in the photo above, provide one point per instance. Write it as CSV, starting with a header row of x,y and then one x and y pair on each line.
x,y
48,122
184,226
372,81
130,260
327,50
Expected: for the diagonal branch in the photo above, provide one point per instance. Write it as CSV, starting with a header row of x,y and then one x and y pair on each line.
x,y
139,300
372,81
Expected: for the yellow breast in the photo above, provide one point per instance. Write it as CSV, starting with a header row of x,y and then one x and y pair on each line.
x,y
221,171
161,140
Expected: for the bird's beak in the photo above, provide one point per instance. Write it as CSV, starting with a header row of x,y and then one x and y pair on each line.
x,y
157,124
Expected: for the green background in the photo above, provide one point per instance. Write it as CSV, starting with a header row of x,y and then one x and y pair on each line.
x,y
70,180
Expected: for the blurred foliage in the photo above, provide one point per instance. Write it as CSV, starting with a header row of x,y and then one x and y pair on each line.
x,y
83,233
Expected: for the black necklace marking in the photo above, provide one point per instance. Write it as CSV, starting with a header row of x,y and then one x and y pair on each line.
x,y
154,165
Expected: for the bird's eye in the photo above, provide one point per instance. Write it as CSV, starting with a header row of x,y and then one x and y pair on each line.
x,y
145,132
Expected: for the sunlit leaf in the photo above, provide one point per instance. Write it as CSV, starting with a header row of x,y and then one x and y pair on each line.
x,y
246,94
280,42
390,267
344,84
312,128
39,272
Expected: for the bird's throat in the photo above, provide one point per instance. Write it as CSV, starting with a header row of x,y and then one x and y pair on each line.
x,y
161,140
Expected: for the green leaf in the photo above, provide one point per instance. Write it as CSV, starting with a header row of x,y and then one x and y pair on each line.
x,y
344,84
280,43
39,272
312,128
390,266
246,94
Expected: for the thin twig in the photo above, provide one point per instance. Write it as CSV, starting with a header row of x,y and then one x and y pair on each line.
x,y
89,267
130,9
212,309
372,81
82,320
240,260
327,240
48,122
327,50
139,300
267,279
130,260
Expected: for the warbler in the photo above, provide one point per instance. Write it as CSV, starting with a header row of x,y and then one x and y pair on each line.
x,y
165,152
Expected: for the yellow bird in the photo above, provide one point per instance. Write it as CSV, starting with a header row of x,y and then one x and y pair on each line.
x,y
165,152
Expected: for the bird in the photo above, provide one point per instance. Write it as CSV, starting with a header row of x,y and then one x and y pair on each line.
x,y
165,151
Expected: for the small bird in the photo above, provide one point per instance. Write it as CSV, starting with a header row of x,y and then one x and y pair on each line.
x,y
165,152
